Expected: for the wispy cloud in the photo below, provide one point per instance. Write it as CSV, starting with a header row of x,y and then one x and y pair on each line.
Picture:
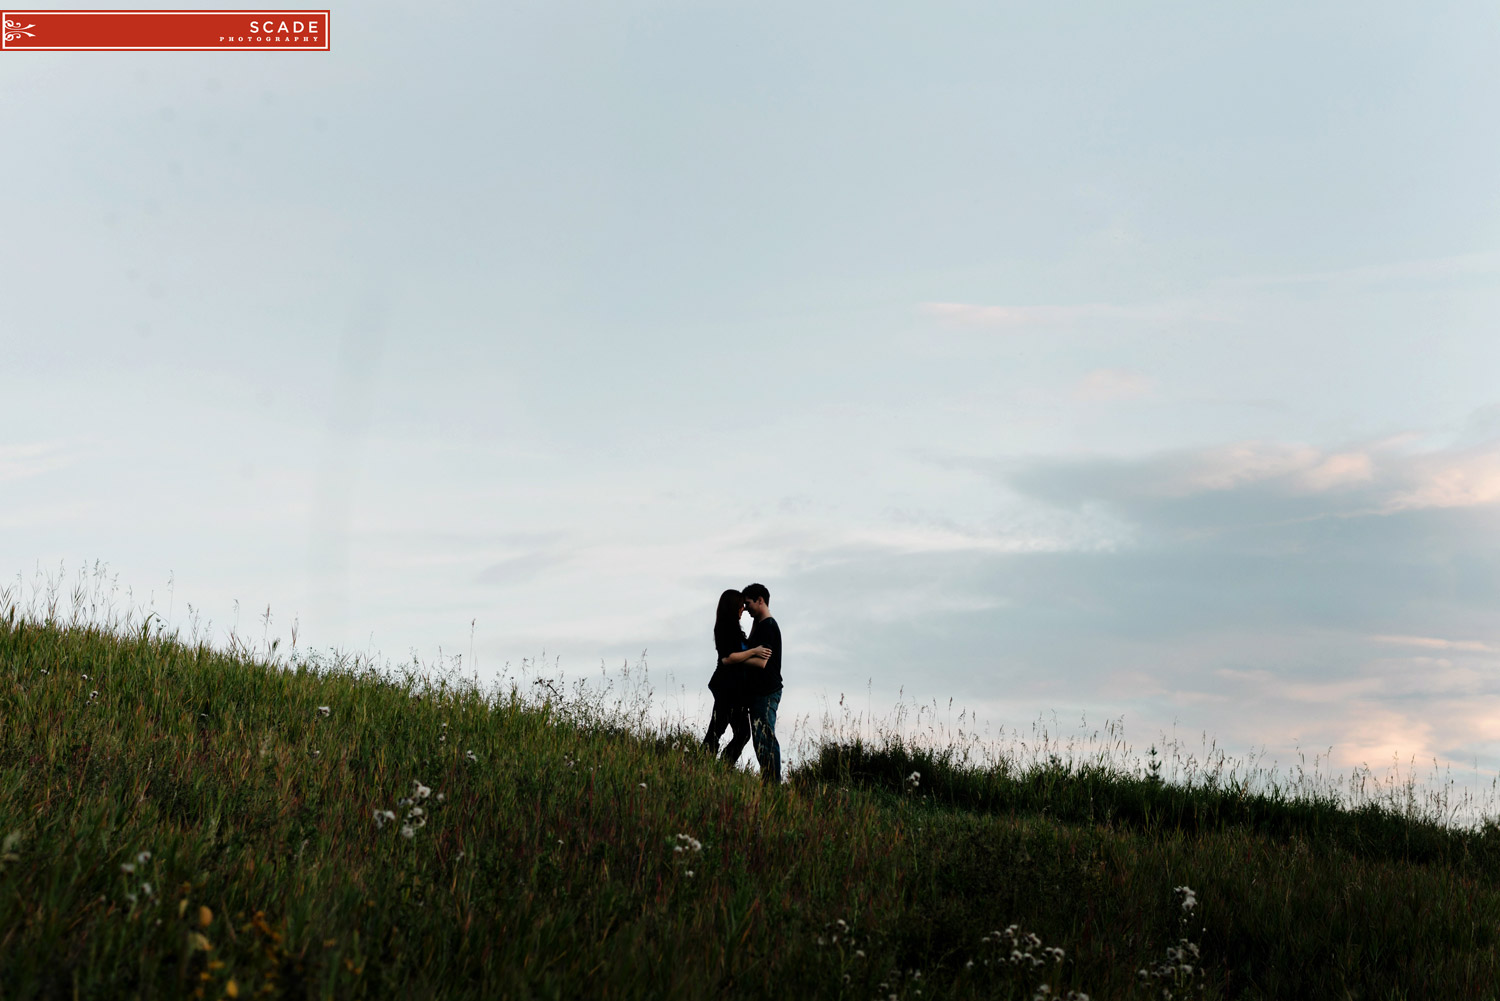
x,y
1437,643
1368,478
1107,385
1062,315
20,461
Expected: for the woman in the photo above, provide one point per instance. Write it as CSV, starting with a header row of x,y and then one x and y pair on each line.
x,y
727,683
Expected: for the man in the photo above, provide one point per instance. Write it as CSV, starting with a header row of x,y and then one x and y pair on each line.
x,y
763,684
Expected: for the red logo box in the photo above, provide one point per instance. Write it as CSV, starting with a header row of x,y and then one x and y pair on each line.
x,y
159,30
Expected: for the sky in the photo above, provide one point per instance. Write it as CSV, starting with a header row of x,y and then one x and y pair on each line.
x,y
1099,360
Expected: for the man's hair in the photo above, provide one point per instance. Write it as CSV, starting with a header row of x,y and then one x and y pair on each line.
x,y
757,591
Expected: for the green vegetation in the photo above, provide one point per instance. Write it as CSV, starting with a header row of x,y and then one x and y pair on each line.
x,y
183,822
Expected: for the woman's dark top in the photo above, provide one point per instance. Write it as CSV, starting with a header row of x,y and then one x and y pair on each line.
x,y
728,681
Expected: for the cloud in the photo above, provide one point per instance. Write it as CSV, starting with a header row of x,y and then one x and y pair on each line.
x,y
1435,643
520,569
1279,479
1271,594
1025,317
1107,385
1447,479
22,461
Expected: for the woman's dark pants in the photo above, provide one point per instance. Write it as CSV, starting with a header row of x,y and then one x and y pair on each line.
x,y
731,716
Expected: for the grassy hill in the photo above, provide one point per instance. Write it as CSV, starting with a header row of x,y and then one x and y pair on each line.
x,y
181,822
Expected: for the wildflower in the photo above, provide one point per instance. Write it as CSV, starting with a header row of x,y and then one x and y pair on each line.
x,y
642,785
1189,898
408,832
383,817
325,710
415,811
419,791
94,694
143,857
127,867
688,843
859,954
146,889
689,874
970,965
440,797
471,756
914,779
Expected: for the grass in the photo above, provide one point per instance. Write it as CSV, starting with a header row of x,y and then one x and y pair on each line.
x,y
566,849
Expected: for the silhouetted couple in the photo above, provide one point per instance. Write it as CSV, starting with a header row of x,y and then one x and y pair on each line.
x,y
747,680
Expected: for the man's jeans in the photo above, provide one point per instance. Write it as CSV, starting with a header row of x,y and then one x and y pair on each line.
x,y
763,734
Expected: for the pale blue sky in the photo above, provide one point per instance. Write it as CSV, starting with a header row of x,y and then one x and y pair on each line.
x,y
1109,359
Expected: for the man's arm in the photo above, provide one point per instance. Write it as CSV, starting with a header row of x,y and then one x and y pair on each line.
x,y
760,653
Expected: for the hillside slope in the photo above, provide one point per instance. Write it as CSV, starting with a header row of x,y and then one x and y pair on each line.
x,y
180,822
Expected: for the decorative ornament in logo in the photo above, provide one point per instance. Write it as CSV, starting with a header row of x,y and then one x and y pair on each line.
x,y
15,29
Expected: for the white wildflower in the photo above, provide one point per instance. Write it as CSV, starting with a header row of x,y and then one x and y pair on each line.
x,y
914,779
415,811
642,785
859,954
143,857
419,791
383,817
689,874
127,867
408,832
471,756
325,710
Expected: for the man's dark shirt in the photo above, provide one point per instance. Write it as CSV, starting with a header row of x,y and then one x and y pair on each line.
x,y
728,681
765,680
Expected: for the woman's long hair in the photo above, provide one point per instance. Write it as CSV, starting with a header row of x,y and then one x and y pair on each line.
x,y
727,618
